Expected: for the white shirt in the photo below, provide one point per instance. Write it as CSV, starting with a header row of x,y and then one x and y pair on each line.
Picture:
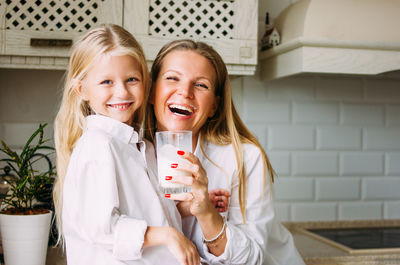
x,y
110,198
262,240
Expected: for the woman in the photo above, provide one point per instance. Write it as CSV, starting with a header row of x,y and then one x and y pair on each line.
x,y
191,91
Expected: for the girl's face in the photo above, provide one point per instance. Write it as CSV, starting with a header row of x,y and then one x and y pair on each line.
x,y
184,93
114,87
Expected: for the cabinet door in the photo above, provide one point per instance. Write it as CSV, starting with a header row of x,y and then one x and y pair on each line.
x,y
229,26
48,27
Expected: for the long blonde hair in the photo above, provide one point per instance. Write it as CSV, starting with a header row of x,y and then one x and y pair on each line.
x,y
70,120
225,127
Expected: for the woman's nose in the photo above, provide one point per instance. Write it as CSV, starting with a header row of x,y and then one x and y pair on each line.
x,y
186,90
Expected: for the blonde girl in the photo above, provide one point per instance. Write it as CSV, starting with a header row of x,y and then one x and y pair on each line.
x,y
107,208
191,91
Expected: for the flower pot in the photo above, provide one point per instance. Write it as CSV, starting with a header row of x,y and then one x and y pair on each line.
x,y
25,238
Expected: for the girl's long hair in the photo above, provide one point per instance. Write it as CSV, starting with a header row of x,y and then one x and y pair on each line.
x,y
70,120
225,127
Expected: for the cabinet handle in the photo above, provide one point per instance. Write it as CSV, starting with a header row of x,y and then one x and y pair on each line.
x,y
51,43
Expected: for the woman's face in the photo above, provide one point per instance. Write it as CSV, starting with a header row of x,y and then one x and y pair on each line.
x,y
184,93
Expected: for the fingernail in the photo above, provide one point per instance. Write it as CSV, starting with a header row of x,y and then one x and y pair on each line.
x,y
181,152
168,177
167,195
174,165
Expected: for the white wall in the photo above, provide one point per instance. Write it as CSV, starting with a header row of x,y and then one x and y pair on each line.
x,y
333,140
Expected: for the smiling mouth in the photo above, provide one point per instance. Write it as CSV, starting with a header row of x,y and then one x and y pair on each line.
x,y
120,106
180,110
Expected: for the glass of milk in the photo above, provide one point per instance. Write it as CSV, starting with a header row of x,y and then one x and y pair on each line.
x,y
168,144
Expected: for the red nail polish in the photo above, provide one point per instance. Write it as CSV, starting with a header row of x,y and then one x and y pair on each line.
x,y
181,153
168,177
174,165
167,195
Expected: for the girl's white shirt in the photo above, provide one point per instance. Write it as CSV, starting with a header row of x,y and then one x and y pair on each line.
x,y
110,198
262,240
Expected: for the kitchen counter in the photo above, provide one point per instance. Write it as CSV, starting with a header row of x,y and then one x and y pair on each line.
x,y
317,251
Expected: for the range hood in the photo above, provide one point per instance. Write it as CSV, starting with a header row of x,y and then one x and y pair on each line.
x,y
359,37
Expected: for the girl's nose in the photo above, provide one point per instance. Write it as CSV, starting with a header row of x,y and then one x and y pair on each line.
x,y
121,90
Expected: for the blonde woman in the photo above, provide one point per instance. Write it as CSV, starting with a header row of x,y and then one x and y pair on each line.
x,y
191,91
107,206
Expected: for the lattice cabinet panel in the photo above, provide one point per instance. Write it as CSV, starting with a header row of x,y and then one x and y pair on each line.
x,y
186,18
54,22
230,26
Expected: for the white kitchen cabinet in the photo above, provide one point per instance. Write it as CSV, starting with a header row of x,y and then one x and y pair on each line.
x,y
229,26
39,33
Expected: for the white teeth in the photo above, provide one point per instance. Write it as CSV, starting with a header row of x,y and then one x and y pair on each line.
x,y
181,107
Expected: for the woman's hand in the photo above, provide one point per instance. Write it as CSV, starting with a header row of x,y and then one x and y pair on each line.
x,y
198,199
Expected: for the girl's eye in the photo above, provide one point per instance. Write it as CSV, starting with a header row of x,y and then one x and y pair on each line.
x,y
106,82
132,79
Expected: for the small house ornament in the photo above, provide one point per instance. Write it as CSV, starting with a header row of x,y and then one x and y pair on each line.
x,y
271,36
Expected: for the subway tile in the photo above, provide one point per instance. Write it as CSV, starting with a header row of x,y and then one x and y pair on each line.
x,y
360,210
381,188
392,164
391,210
362,114
361,163
282,211
291,88
280,162
338,138
294,189
343,89
337,188
393,115
254,90
267,112
318,113
318,211
382,90
314,163
290,137
381,139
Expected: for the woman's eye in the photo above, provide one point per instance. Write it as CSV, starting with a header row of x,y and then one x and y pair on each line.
x,y
201,85
106,82
172,78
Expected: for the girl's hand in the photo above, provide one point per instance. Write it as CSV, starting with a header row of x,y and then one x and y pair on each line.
x,y
182,248
199,202
219,198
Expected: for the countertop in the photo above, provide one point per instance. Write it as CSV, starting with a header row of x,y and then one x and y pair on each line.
x,y
319,252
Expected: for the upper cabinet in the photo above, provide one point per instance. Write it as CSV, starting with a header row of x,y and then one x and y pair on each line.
x,y
39,33
228,26
335,37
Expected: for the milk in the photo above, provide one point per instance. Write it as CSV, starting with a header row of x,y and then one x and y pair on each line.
x,y
168,144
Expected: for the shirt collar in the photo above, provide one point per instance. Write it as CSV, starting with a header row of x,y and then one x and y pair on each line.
x,y
117,129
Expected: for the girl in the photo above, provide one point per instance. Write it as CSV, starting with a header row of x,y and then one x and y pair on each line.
x,y
106,204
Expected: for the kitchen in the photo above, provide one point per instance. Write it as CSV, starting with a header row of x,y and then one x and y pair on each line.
x,y
333,139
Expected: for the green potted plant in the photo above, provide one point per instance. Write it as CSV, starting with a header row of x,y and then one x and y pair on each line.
x,y
26,206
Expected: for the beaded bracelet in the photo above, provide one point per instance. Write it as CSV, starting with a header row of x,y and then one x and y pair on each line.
x,y
216,238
